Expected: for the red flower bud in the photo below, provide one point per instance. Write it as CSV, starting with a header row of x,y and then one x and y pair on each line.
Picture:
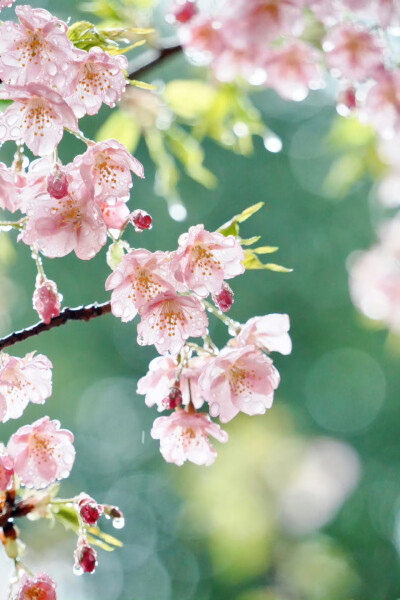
x,y
141,220
85,558
224,299
57,185
89,510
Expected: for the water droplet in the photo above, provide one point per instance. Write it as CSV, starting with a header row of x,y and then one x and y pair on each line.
x,y
77,570
214,409
118,523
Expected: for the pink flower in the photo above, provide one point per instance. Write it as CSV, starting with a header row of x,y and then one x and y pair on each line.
x,y
107,166
23,380
203,260
60,226
169,320
38,115
382,106
239,379
40,587
115,215
184,436
353,52
100,78
269,332
139,278
46,299
42,453
36,49
162,378
6,470
9,189
201,39
292,70
375,278
6,3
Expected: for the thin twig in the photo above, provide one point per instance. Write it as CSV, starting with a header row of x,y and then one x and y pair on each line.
x,y
81,313
151,58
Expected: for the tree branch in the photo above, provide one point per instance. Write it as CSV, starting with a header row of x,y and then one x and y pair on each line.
x,y
81,313
149,59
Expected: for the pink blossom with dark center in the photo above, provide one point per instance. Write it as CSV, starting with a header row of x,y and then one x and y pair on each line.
x,y
42,453
169,320
23,380
239,380
185,436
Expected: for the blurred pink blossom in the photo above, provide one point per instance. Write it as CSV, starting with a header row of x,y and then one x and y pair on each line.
x,y
39,587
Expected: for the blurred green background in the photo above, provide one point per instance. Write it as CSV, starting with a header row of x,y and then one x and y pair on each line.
x,y
302,503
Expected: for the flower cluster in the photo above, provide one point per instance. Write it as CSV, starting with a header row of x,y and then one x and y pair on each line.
x,y
239,378
273,43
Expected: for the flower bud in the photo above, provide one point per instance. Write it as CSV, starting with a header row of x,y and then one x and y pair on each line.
x,y
115,215
57,184
115,254
46,299
224,299
173,399
181,11
117,516
85,558
141,220
89,510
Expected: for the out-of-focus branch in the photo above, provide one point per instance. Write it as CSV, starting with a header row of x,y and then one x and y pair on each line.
x,y
81,313
151,58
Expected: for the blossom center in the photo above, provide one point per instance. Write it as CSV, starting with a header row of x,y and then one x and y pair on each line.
x,y
204,259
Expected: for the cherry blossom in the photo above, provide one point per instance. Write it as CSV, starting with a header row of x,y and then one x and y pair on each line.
x,y
72,223
269,332
169,320
353,52
46,299
184,436
163,375
6,3
292,70
9,189
6,470
203,260
100,78
38,115
42,453
239,379
39,587
139,278
23,380
382,105
36,48
108,165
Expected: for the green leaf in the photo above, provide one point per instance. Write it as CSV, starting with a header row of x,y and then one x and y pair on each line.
x,y
265,249
189,99
85,35
67,516
250,241
252,261
121,126
248,212
141,84
190,153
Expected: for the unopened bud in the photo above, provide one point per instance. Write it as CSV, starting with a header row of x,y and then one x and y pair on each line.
x,y
115,215
89,510
57,184
85,558
224,299
46,299
115,254
181,11
116,515
141,220
173,399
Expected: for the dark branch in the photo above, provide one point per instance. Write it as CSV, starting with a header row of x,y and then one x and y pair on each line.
x,y
81,313
149,59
